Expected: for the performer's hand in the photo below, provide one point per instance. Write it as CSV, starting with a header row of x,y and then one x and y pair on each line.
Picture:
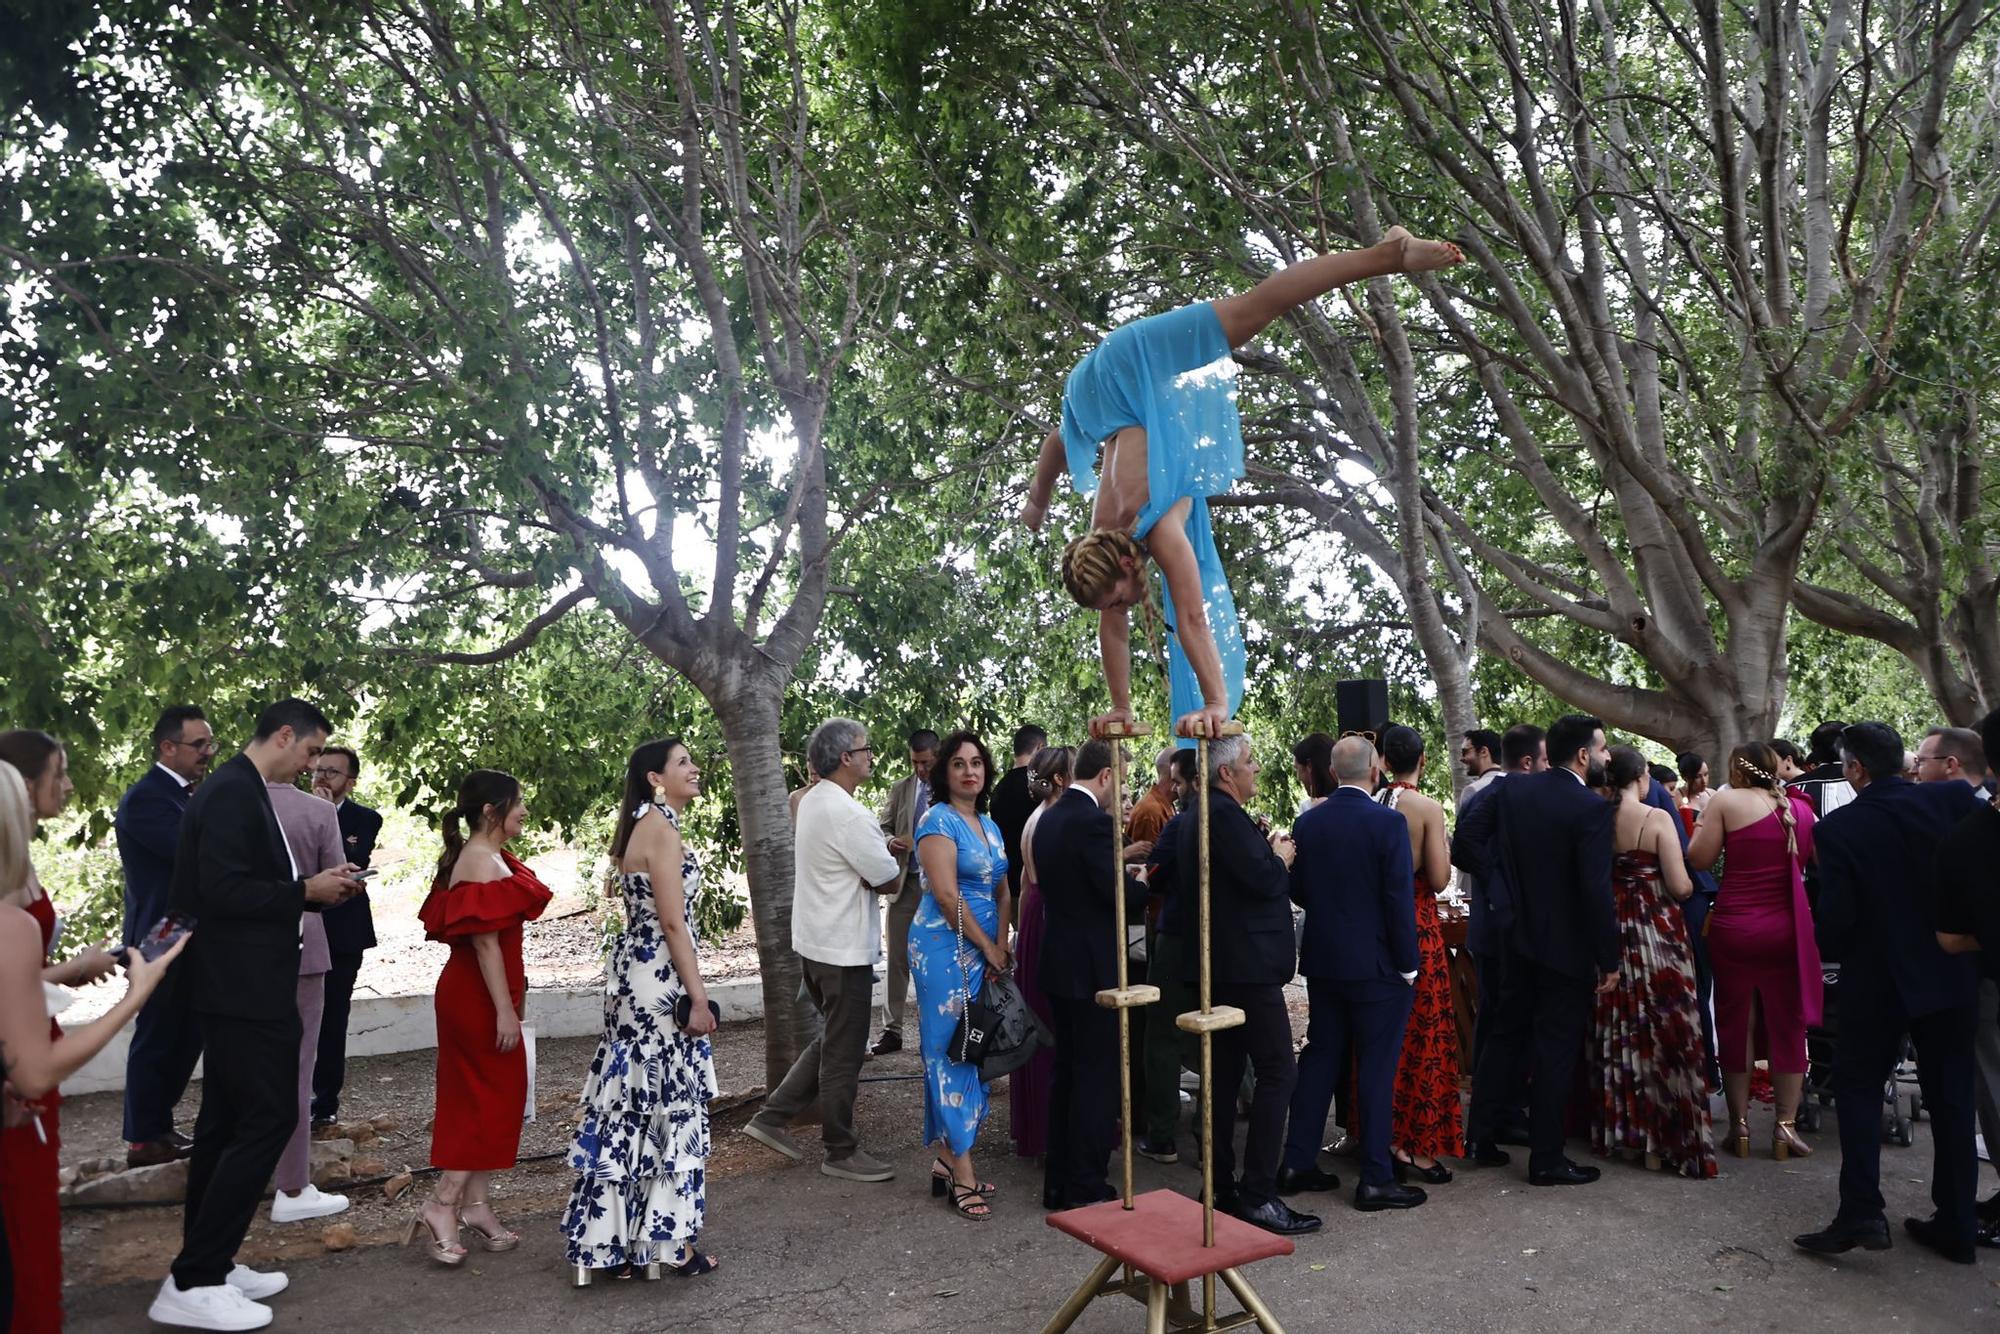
x,y
506,1032
1606,982
1032,514
1206,721
1103,722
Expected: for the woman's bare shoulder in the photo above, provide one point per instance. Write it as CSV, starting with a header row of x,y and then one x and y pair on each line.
x,y
475,867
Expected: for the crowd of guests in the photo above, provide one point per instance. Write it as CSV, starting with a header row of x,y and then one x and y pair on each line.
x,y
1595,920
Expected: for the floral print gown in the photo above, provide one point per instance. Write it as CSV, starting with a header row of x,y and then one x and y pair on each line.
x,y
640,1153
954,1098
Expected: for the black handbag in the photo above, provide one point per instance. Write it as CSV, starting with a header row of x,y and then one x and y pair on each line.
x,y
684,1010
996,1031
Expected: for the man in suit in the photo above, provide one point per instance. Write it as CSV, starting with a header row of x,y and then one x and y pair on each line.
x,y
1352,875
1877,908
234,875
1086,904
1253,954
899,817
1523,751
1551,841
1012,805
166,1041
1968,880
350,926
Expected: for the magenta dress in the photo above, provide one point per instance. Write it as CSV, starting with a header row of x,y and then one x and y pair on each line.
x,y
1028,1088
1761,946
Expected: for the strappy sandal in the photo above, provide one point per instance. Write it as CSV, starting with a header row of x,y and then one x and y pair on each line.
x,y
450,1254
503,1240
941,1178
695,1266
969,1203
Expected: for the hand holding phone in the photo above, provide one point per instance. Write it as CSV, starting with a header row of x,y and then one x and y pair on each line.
x,y
163,935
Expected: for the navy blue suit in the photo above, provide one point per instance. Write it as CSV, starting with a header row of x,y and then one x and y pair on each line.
x,y
1877,916
1551,837
350,929
1086,902
1694,913
166,1037
1353,877
1490,901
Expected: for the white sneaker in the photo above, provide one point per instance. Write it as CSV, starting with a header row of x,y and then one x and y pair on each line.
x,y
308,1203
258,1287
217,1307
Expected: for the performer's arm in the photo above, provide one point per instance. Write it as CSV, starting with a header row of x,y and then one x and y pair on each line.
x,y
1048,467
1170,548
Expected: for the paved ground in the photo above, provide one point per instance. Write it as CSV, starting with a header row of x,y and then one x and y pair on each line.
x,y
1637,1251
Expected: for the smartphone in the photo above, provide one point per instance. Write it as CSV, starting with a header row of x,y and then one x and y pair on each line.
x,y
366,872
163,935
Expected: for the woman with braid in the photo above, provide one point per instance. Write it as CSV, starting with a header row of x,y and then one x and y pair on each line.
x,y
1157,394
1760,939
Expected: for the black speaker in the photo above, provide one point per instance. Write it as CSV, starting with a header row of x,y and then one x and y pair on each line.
x,y
1362,706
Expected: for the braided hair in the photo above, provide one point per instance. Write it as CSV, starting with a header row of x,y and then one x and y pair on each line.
x,y
1755,765
1093,563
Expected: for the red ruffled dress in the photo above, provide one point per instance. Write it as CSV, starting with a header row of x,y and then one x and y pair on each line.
x,y
482,1092
29,1164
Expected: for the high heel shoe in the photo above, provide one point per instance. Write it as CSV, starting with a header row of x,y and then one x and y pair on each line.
x,y
503,1240
1787,1143
447,1253
940,1181
1739,1139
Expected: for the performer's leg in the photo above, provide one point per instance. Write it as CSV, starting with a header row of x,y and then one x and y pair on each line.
x,y
1246,314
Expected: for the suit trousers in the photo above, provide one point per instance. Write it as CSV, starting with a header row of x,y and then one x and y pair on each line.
x,y
1505,1109
329,1071
1694,914
1871,1038
249,1104
1986,1062
1167,1047
1359,1026
828,1071
1083,1101
1263,1042
295,1167
902,911
166,1044
1543,1017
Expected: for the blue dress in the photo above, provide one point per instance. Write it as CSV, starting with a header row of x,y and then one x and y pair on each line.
x,y
1171,374
641,1151
954,1097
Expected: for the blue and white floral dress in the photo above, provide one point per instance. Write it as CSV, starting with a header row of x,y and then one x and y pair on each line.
x,y
641,1151
954,1096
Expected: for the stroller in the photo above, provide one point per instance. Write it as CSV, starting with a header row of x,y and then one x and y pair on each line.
x,y
1902,1103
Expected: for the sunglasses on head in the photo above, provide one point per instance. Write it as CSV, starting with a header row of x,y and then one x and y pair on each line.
x,y
1369,737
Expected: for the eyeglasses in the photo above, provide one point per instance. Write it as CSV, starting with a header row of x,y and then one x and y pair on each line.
x,y
860,750
327,771
204,746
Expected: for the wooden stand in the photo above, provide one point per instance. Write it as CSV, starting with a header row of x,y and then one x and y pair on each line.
x,y
1151,1238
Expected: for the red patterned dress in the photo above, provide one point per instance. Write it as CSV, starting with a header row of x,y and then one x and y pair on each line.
x,y
1428,1121
1651,1090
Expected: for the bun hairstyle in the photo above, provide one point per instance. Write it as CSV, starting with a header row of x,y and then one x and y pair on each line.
x,y
1627,767
1755,765
650,758
1050,764
1092,563
481,788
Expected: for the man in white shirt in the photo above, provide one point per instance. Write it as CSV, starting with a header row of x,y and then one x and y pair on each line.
x,y
1480,753
840,864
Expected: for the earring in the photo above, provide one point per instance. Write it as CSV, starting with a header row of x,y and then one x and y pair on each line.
x,y
659,796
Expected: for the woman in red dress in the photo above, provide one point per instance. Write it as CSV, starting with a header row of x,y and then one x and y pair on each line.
x,y
1428,1125
39,1055
480,899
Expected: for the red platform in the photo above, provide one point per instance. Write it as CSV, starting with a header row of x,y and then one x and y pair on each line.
x,y
1160,1236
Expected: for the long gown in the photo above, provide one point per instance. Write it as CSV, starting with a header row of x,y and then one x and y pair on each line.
x,y
482,1094
29,1168
641,1151
1028,1088
954,1097
1171,374
1651,1093
1761,944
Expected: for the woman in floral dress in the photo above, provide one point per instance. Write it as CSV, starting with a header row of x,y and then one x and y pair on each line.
x,y
641,1150
1651,1093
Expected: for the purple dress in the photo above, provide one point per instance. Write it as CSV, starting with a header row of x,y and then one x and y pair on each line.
x,y
1028,1088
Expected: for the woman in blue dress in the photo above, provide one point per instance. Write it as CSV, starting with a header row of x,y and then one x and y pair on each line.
x,y
1158,395
963,865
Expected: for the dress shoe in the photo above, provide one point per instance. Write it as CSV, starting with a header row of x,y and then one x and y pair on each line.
x,y
1568,1174
1370,1199
1279,1217
1159,1150
155,1152
1842,1235
1291,1183
324,1123
1437,1174
1227,1201
1930,1234
1487,1154
1988,1234
888,1042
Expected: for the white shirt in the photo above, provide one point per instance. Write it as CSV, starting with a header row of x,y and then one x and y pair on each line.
x,y
171,774
837,853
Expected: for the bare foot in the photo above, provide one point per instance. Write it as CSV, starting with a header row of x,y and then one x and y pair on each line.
x,y
1416,256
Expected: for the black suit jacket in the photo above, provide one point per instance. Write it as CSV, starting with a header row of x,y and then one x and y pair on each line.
x,y
350,926
148,826
234,877
1353,877
1085,901
1010,807
1553,838
1250,909
1877,888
